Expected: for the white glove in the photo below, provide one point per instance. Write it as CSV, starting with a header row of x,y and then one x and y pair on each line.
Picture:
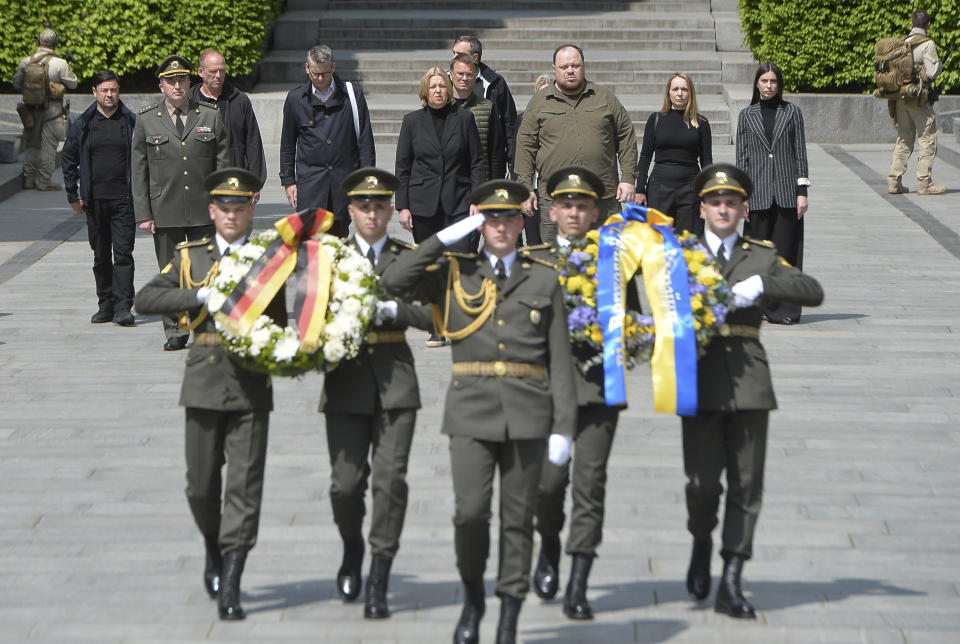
x,y
203,294
455,232
558,449
386,312
745,293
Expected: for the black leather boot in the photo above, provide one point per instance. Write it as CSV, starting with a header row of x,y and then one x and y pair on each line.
x,y
698,575
730,600
348,577
375,603
212,567
474,605
575,605
509,613
229,603
546,577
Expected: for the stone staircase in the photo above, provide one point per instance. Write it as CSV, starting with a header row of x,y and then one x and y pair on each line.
x,y
631,47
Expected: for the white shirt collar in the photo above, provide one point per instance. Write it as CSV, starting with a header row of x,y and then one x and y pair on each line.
x,y
324,98
507,261
223,244
714,241
562,241
377,246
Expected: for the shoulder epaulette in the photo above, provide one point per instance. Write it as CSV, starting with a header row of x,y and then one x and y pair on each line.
x,y
209,106
543,246
453,253
195,242
147,108
760,242
546,262
397,242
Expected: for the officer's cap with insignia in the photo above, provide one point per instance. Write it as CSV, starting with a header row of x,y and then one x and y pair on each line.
x,y
370,184
719,178
232,185
173,66
574,182
500,198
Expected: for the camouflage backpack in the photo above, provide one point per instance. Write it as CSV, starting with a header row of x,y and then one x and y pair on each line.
x,y
893,65
36,88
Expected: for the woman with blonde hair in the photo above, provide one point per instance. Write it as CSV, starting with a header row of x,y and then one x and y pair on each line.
x,y
678,139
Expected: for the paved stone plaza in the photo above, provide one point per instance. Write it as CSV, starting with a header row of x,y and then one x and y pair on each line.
x,y
858,538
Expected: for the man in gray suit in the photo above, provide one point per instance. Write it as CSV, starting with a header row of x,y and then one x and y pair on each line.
x,y
177,143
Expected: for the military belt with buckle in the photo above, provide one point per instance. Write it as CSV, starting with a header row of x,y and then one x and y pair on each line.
x,y
206,339
499,369
386,337
739,331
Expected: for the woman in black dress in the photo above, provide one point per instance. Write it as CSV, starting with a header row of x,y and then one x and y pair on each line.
x,y
678,139
772,148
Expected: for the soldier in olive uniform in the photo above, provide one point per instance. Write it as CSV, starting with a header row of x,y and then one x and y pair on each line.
x,y
227,407
574,192
370,405
512,385
177,143
735,391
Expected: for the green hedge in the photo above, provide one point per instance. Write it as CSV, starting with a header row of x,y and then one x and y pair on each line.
x,y
825,45
129,36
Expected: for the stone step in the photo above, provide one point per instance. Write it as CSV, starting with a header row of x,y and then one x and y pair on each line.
x,y
551,6
480,20
410,86
396,43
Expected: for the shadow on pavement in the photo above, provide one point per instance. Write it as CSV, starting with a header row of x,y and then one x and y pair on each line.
x,y
810,318
646,631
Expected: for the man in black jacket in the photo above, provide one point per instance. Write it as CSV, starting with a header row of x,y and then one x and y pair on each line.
x,y
236,111
96,174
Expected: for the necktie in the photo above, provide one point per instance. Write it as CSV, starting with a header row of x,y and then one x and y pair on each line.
x,y
179,114
722,255
371,256
500,271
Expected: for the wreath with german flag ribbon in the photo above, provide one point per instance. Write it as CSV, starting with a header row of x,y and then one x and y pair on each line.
x,y
336,296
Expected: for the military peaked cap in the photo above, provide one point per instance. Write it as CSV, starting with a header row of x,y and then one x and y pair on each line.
x,y
722,177
370,184
574,182
173,66
232,185
500,198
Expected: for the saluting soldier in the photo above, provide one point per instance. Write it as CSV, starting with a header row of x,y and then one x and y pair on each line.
x,y
735,391
370,404
512,386
574,192
227,406
177,143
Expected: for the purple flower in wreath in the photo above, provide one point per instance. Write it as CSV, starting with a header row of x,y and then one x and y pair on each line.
x,y
719,313
696,288
580,317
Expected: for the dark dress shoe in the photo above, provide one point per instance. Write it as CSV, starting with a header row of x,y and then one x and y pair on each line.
x,y
348,577
176,343
124,318
212,567
474,605
102,316
229,599
375,602
509,614
575,604
730,599
546,577
698,575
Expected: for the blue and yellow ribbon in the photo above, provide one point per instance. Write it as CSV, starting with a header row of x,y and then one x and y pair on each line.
x,y
643,238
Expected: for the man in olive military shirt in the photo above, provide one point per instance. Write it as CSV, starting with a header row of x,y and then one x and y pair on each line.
x,y
512,388
734,387
370,404
177,143
227,406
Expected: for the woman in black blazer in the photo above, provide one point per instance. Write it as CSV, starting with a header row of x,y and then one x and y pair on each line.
x,y
439,162
772,148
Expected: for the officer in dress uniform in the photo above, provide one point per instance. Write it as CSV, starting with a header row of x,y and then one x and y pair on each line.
x,y
574,191
177,143
227,406
735,391
512,388
370,404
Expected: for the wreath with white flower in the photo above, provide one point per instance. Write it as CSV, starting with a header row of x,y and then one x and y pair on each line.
x,y
270,348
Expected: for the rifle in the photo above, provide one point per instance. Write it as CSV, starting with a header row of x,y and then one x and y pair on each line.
x,y
933,93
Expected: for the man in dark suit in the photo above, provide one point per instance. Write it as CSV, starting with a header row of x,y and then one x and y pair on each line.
x,y
370,404
512,398
227,406
177,143
735,391
326,135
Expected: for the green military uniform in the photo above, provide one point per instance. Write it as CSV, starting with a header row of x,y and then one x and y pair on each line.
x,y
735,395
168,170
512,386
227,407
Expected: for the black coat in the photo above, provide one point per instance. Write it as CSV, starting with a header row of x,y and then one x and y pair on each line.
x,y
319,146
438,174
773,167
246,146
493,87
76,153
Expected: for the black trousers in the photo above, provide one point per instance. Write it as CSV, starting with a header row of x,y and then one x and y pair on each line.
x,y
781,226
672,194
425,227
111,230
